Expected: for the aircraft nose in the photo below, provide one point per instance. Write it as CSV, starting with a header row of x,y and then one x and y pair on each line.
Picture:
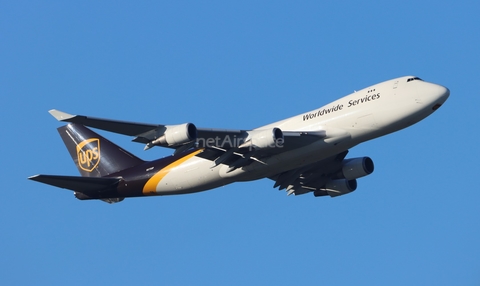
x,y
440,93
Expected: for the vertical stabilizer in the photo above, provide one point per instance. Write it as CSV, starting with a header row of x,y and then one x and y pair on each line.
x,y
94,155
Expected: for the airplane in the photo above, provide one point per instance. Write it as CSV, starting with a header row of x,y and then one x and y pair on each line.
x,y
301,154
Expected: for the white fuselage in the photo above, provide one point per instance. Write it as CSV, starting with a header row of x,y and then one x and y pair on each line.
x,y
363,115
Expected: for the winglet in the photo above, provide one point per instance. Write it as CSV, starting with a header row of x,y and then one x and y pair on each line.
x,y
59,115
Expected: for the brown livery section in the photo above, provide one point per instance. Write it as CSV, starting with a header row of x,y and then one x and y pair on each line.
x,y
109,172
94,155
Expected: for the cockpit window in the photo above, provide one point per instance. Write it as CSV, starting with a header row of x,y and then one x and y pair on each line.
x,y
413,78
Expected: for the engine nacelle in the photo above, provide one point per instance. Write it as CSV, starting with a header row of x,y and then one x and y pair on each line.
x,y
175,135
263,139
340,187
357,167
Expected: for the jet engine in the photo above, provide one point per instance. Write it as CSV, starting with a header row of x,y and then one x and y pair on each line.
x,y
175,135
263,139
340,187
356,168
344,181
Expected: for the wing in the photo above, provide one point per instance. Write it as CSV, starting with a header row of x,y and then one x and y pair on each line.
x,y
237,148
323,178
116,126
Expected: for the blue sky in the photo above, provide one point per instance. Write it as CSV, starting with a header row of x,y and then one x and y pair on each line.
x,y
239,65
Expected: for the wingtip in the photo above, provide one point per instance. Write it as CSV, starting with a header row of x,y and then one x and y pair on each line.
x,y
33,177
60,115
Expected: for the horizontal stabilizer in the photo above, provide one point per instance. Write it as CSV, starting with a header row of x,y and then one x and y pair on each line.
x,y
84,185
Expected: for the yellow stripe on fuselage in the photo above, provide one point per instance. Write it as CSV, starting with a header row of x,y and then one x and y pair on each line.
x,y
150,187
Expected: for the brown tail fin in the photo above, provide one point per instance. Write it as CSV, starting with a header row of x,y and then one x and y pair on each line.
x,y
94,155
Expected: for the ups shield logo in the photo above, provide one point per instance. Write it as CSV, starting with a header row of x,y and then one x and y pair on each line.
x,y
88,153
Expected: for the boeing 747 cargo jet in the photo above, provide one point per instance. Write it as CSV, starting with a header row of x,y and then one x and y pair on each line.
x,y
302,154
